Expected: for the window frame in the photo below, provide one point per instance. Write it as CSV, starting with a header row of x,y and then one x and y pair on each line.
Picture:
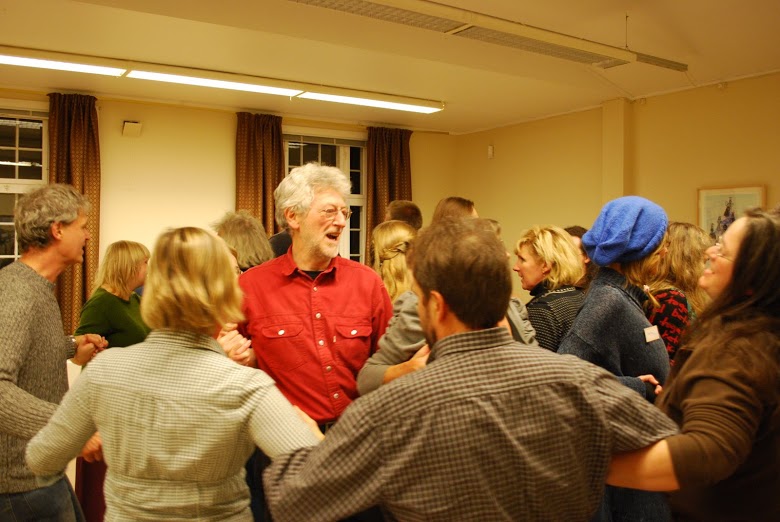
x,y
343,140
28,110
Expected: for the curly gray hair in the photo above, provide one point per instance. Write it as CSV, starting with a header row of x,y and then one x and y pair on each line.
x,y
38,210
297,190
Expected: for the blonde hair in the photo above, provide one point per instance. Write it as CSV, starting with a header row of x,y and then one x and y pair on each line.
x,y
683,263
244,232
642,271
191,284
391,241
120,266
553,246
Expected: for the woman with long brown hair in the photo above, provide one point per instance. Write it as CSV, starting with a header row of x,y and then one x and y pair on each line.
x,y
724,391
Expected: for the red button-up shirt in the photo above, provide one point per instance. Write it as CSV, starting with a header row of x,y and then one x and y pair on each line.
x,y
313,336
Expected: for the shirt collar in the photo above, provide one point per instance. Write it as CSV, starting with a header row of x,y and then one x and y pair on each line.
x,y
289,267
470,341
539,289
182,337
610,277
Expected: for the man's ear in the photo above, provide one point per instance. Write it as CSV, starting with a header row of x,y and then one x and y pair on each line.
x,y
439,307
292,219
56,230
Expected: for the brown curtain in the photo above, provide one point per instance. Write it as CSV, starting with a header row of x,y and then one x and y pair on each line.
x,y
74,158
389,174
259,165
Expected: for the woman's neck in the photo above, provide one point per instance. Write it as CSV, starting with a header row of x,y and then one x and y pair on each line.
x,y
113,291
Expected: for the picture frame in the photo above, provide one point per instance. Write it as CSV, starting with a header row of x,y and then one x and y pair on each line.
x,y
719,207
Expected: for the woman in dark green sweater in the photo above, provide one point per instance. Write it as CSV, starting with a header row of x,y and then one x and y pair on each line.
x,y
113,311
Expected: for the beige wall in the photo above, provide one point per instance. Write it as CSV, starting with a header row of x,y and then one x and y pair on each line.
x,y
180,171
434,168
715,136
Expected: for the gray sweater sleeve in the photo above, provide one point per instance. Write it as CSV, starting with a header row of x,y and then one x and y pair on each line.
x,y
21,413
402,339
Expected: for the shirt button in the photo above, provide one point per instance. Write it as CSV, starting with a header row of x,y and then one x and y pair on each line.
x,y
353,332
318,315
315,288
328,368
321,342
336,396
281,332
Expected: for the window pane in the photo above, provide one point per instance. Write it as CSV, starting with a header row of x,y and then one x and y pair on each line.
x,y
7,132
354,177
7,208
4,262
311,152
293,154
354,158
354,220
7,171
30,134
328,155
354,242
6,240
35,157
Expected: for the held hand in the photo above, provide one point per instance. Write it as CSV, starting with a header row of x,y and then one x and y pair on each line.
x,y
87,347
93,449
226,328
652,380
236,346
418,361
315,429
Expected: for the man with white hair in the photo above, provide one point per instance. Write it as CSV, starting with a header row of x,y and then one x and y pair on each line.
x,y
314,318
51,229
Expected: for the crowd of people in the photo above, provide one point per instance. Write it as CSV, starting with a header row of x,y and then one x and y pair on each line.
x,y
258,379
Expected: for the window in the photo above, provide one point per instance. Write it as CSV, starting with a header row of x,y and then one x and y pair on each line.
x,y
23,167
350,156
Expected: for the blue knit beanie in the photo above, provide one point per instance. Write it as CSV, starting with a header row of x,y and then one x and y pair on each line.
x,y
627,229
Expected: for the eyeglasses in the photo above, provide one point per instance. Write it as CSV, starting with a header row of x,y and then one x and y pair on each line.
x,y
330,213
718,252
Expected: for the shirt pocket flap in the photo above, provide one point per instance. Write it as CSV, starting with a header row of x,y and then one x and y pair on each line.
x,y
351,331
282,331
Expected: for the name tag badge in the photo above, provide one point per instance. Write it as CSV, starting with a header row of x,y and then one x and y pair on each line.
x,y
652,334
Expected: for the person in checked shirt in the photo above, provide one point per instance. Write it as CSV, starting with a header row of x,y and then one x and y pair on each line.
x,y
489,429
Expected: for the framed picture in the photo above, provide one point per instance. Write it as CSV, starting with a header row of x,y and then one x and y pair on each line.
x,y
719,207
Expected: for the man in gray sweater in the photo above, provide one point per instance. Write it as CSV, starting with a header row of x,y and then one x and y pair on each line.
x,y
51,230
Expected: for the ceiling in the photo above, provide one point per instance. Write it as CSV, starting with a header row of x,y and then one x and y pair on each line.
x,y
482,85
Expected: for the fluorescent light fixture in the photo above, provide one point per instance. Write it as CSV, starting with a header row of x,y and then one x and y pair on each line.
x,y
214,79
208,82
60,66
367,102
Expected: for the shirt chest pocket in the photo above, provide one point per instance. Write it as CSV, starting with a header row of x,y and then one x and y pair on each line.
x,y
283,346
352,344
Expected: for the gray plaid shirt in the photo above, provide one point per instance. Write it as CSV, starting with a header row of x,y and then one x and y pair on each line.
x,y
178,421
489,430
